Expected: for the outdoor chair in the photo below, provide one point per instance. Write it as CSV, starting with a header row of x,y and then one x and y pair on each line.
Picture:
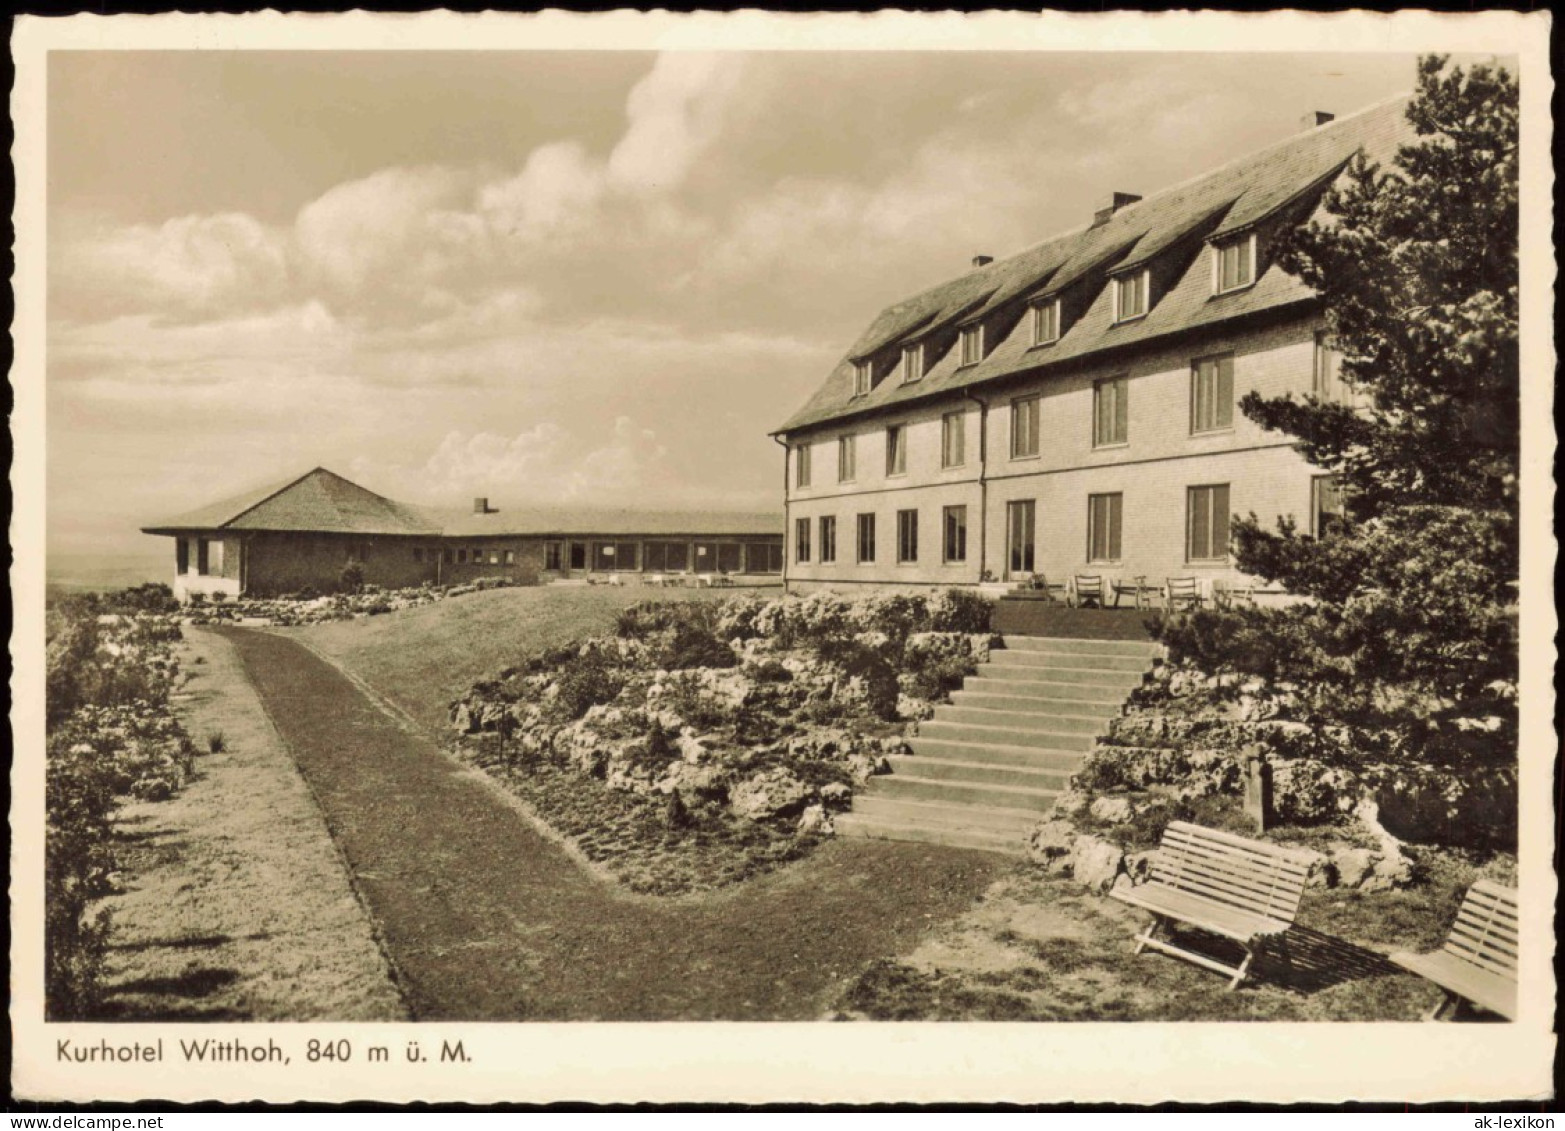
x,y
1478,962
1039,583
1087,587
1230,594
1134,587
1182,591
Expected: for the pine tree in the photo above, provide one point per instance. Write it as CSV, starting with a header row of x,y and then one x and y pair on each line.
x,y
1416,266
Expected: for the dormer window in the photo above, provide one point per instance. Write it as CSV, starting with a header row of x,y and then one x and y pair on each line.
x,y
1234,264
1046,322
1131,294
863,375
912,362
973,344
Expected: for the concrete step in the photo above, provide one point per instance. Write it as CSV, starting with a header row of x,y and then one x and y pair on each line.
x,y
998,698
1145,648
1094,717
992,754
907,787
979,773
943,814
1117,682
1011,843
1010,736
1040,692
1040,661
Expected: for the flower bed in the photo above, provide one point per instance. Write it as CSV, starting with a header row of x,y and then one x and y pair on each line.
x,y
743,724
311,608
111,737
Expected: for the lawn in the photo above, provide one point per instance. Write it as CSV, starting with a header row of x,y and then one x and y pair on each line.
x,y
421,659
234,904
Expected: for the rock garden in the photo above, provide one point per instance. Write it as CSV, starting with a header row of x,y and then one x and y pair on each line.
x,y
309,607
703,742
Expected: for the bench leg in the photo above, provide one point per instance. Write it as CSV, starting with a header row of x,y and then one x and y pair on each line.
x,y
1244,968
1444,1009
1150,934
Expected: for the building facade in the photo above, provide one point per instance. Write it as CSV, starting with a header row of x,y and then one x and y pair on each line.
x,y
1074,410
302,535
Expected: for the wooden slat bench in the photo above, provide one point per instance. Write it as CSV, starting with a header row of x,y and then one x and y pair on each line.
x,y
1229,885
1478,961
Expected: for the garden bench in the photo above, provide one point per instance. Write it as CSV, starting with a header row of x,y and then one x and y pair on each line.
x,y
1478,962
1228,885
1086,587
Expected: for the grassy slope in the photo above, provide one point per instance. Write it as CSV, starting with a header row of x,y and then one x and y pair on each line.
x,y
423,658
235,904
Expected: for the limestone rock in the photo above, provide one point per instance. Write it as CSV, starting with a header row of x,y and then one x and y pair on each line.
x,y
912,707
814,822
1049,845
1071,803
1112,810
836,795
1353,866
772,793
1095,862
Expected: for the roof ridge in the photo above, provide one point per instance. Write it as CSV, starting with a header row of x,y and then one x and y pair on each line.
x,y
289,486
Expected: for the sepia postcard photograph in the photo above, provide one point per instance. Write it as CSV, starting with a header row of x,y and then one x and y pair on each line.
x,y
759,557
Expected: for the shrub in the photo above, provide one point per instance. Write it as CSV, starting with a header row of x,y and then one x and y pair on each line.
x,y
640,621
216,742
959,610
770,671
878,677
687,700
351,579
693,647
935,679
586,680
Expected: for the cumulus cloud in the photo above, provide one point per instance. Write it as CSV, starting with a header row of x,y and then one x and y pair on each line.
x,y
675,112
186,268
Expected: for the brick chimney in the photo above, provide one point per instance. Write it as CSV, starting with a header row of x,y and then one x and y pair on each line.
x,y
1316,118
1112,204
982,260
481,506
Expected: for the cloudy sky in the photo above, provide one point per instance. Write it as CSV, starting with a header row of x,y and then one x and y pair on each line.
x,y
559,277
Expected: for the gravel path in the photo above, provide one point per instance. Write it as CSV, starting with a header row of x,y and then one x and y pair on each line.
x,y
486,919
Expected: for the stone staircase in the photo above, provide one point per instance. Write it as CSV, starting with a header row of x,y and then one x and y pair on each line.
x,y
988,766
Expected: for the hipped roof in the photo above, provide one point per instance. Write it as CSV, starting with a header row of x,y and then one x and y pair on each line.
x,y
323,502
1224,202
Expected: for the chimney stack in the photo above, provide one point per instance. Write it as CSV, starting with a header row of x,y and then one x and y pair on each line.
x,y
1114,202
481,506
982,260
1316,118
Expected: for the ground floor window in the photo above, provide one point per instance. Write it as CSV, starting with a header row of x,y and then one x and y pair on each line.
x,y
1206,523
461,557
181,555
801,540
954,534
510,557
553,558
1104,517
705,557
448,555
671,556
610,556
730,557
1020,523
907,536
828,538
866,538
763,557
578,555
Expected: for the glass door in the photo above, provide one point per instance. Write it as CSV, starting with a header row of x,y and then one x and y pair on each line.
x,y
1020,519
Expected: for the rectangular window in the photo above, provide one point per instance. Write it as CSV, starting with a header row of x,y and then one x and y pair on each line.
x,y
659,556
1046,322
763,557
1110,411
1327,511
461,557
866,538
863,377
510,557
801,539
613,556
954,534
1212,394
828,538
552,556
730,557
448,556
953,439
578,555
182,556
1104,514
1207,524
203,557
912,362
1021,517
1327,383
1130,295
896,449
1024,427
907,536
1235,264
706,557
494,557
972,344
801,466
847,459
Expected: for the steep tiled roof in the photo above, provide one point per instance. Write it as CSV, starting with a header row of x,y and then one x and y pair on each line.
x,y
323,502
1227,200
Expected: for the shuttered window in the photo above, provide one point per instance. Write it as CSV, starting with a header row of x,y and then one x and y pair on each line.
x,y
1104,514
1212,394
1207,523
